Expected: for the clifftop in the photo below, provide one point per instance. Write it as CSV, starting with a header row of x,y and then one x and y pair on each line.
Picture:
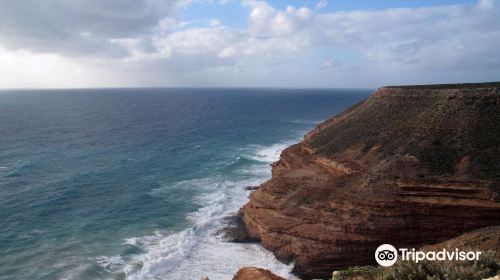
x,y
407,166
453,130
449,86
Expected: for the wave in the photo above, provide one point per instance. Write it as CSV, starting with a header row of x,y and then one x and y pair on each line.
x,y
198,251
307,121
268,154
18,168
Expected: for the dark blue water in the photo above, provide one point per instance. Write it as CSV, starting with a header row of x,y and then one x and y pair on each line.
x,y
131,183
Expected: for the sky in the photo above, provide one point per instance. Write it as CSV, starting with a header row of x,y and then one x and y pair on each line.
x,y
248,43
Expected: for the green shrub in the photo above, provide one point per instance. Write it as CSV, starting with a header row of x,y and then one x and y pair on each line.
x,y
357,272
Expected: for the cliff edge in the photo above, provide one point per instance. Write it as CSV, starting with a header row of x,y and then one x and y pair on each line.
x,y
407,166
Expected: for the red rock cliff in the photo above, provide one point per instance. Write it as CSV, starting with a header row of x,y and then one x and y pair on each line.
x,y
407,166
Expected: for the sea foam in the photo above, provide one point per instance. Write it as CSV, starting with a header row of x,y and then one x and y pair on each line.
x,y
198,251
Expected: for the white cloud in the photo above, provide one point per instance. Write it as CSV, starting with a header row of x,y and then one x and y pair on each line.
x,y
214,22
265,21
295,46
486,4
77,27
331,63
24,69
321,4
227,52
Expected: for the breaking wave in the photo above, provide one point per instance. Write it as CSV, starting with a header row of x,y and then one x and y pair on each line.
x,y
197,250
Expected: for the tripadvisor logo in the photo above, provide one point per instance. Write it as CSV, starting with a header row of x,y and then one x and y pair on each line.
x,y
387,255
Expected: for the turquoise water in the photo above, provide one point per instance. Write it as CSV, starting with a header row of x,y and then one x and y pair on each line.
x,y
132,183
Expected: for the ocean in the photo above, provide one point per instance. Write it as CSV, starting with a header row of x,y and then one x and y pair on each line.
x,y
134,183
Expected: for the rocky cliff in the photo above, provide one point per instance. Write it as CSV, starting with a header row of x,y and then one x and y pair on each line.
x,y
407,166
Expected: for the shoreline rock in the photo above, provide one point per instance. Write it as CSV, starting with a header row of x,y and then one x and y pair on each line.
x,y
234,230
254,273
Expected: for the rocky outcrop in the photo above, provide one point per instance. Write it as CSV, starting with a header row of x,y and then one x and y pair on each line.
x,y
253,273
408,166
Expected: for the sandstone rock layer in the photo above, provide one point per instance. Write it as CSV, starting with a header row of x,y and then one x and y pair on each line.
x,y
407,166
253,273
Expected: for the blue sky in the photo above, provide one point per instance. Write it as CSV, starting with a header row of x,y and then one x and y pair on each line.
x,y
232,13
248,43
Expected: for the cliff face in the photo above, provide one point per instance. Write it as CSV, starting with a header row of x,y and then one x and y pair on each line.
x,y
408,166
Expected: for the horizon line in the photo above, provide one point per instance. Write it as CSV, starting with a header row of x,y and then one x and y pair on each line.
x,y
184,87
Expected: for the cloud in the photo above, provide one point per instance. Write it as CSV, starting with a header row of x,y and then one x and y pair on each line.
x,y
265,22
446,37
404,45
486,4
331,63
293,46
321,4
79,26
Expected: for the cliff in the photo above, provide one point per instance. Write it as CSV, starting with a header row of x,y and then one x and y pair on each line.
x,y
407,166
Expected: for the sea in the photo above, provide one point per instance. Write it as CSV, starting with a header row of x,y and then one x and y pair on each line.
x,y
136,183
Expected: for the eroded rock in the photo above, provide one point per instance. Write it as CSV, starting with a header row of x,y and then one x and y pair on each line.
x,y
253,273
